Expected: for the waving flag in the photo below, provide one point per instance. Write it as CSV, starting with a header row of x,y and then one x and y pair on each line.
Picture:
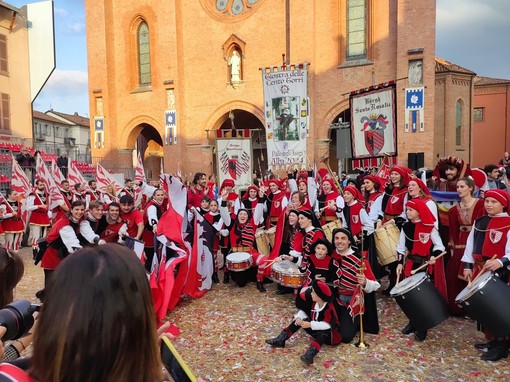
x,y
56,173
104,178
19,181
139,171
357,304
173,222
201,262
74,175
54,194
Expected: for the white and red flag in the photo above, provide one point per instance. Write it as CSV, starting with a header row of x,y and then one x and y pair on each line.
x,y
56,173
105,178
201,261
139,171
19,181
173,223
357,304
54,194
74,176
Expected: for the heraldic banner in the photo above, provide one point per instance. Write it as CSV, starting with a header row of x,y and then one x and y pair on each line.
x,y
235,161
373,121
287,111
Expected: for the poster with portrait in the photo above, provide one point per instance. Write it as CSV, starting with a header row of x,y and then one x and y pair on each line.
x,y
287,112
235,161
373,121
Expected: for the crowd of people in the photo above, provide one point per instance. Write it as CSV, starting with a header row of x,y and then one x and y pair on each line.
x,y
321,239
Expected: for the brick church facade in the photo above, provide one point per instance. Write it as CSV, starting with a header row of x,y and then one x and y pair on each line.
x,y
151,60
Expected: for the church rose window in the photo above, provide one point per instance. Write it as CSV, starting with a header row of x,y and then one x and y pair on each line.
x,y
231,9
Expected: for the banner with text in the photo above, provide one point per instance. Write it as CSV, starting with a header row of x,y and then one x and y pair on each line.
x,y
287,111
235,161
373,121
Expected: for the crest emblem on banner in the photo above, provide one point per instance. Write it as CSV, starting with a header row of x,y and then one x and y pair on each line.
x,y
495,236
373,129
355,219
424,237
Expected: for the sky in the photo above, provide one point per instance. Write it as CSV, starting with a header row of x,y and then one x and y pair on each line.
x,y
474,34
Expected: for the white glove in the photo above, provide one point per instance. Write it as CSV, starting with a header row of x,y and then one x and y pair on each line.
x,y
224,232
101,242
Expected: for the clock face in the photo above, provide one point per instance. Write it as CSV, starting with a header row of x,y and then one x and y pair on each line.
x,y
231,10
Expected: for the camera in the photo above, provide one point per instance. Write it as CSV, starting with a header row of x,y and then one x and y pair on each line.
x,y
17,317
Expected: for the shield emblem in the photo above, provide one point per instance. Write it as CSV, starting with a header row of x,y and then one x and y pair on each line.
x,y
277,204
424,237
394,199
355,219
495,235
232,168
374,141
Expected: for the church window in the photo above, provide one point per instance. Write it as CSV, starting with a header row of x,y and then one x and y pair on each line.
x,y
478,114
144,59
356,29
458,123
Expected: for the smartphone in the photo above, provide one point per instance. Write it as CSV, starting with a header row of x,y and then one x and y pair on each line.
x,y
174,363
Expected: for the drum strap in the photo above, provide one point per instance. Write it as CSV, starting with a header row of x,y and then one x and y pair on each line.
x,y
241,249
417,259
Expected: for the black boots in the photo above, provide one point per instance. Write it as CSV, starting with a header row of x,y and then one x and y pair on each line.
x,y
419,335
215,278
497,350
260,287
226,277
484,346
309,355
408,329
279,342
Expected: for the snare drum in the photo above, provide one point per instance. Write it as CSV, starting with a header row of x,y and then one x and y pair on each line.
x,y
328,229
421,302
262,244
239,261
386,240
486,300
287,273
270,236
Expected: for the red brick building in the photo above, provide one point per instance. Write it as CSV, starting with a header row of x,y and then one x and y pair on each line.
x,y
146,57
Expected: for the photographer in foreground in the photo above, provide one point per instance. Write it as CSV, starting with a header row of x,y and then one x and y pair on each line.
x,y
97,322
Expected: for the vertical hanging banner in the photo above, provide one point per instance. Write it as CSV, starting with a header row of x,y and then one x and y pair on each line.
x,y
235,161
170,127
414,115
373,121
287,112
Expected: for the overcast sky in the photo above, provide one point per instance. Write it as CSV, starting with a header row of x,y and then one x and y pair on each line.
x,y
474,34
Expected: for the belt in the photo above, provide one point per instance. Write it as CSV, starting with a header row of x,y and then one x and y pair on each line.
x,y
241,249
330,218
389,217
465,228
417,259
274,219
459,246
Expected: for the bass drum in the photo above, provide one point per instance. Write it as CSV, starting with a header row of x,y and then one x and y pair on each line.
x,y
421,302
487,300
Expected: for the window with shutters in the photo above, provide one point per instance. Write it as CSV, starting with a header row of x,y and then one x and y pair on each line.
x,y
5,113
4,68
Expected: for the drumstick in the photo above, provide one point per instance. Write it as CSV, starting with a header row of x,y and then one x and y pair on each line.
x,y
469,281
481,272
426,264
398,277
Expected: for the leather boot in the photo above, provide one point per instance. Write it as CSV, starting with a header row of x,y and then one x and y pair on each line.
x,y
420,335
309,355
260,287
498,350
226,277
408,329
279,342
484,346
215,278
34,252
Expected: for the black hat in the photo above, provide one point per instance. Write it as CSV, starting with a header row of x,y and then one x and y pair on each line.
x,y
322,241
344,231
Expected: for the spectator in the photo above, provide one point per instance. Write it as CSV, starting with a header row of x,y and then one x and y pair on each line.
x,y
505,162
62,163
26,161
492,172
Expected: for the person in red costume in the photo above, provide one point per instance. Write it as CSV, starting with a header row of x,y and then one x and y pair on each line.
x,y
416,189
12,224
354,216
276,202
250,198
448,171
420,242
490,236
39,221
461,218
152,213
65,206
227,186
372,191
330,201
198,189
305,184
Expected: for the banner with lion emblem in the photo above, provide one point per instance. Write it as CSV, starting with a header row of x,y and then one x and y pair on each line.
x,y
373,122
287,111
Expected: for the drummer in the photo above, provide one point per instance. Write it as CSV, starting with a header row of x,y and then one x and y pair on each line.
x,y
416,189
390,209
489,237
420,242
330,201
242,228
354,216
347,273
275,203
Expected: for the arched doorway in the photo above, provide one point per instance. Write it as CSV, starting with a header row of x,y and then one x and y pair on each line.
x,y
239,123
149,144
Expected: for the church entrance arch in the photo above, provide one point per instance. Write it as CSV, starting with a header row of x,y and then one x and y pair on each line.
x,y
149,144
340,150
239,124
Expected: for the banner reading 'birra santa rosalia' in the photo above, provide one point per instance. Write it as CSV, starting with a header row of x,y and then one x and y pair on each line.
x,y
287,111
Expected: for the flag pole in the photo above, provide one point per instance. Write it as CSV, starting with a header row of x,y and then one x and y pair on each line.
x,y
361,343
